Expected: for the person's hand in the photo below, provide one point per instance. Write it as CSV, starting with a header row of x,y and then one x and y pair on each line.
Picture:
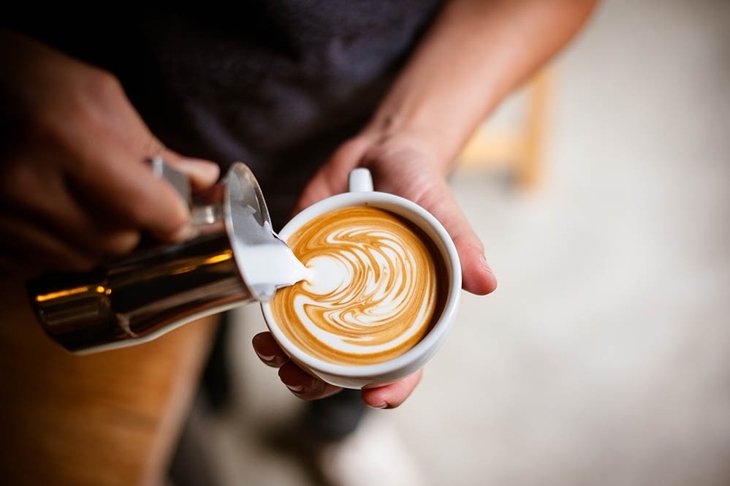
x,y
409,168
74,182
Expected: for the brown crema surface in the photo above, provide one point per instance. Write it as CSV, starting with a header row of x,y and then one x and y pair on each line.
x,y
374,288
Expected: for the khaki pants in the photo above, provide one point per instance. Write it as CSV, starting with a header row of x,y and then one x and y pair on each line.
x,y
106,418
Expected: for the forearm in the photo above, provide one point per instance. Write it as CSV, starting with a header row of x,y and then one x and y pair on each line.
x,y
475,54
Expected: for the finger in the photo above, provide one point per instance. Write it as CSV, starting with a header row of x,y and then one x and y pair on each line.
x,y
296,380
332,177
118,242
44,199
268,350
392,395
477,275
126,189
201,173
304,385
86,228
37,249
317,188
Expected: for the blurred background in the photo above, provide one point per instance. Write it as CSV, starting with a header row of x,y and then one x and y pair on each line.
x,y
602,193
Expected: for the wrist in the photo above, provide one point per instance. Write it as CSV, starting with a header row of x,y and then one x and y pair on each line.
x,y
426,107
394,134
398,143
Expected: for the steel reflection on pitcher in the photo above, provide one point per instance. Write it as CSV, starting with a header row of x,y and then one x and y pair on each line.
x,y
158,288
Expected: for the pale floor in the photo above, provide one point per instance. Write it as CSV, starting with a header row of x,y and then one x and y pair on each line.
x,y
604,356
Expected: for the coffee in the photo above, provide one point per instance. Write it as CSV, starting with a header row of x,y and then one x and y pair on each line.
x,y
376,285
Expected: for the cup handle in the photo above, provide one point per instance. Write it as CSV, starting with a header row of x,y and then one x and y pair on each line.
x,y
360,181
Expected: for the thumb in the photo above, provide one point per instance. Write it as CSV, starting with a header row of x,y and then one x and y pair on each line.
x,y
478,277
331,178
201,173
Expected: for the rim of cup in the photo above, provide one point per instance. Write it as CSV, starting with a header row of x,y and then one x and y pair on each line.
x,y
433,229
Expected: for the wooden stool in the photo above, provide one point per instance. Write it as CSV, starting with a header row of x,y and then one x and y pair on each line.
x,y
101,419
521,148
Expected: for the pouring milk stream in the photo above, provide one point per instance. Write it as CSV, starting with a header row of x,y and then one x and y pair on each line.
x,y
234,258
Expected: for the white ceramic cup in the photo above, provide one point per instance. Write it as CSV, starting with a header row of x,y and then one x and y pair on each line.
x,y
357,376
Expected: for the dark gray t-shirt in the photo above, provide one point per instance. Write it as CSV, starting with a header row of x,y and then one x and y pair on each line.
x,y
277,84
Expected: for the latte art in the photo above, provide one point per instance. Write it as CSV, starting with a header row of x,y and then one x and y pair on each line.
x,y
372,292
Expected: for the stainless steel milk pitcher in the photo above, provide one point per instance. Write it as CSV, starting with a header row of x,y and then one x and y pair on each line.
x,y
157,288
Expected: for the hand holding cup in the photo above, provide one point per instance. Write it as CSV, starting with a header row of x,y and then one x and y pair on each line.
x,y
409,169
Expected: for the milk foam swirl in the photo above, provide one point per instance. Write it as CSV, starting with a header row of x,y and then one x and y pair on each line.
x,y
373,289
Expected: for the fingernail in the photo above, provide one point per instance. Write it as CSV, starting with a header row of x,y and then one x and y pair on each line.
x,y
380,406
295,388
266,357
